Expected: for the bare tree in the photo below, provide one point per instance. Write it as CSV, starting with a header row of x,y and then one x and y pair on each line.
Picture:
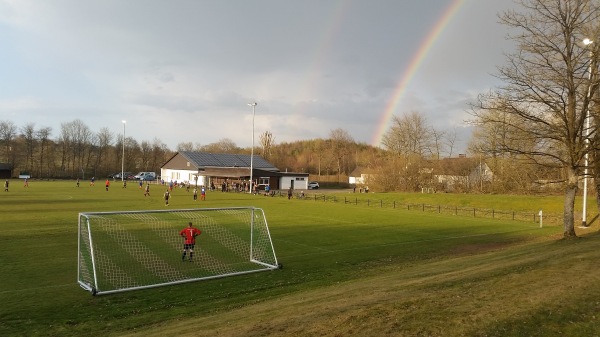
x,y
408,140
224,145
82,140
437,142
104,139
8,132
159,153
146,155
267,140
450,141
43,136
408,135
28,134
340,147
547,91
64,142
185,146
133,153
317,147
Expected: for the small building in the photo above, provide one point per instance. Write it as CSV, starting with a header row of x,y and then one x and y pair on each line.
x,y
462,173
360,176
228,171
6,170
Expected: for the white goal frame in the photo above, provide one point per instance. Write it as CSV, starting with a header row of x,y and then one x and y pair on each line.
x,y
113,256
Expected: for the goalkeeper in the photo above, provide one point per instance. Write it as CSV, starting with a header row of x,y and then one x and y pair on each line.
x,y
189,234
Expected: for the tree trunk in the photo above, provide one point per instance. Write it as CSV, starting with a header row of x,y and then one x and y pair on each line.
x,y
569,207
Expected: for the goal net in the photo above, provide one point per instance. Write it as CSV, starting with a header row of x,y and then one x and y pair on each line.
x,y
121,251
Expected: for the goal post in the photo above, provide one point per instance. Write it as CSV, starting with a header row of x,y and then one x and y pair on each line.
x,y
129,250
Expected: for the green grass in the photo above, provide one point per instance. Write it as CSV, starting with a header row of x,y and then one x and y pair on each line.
x,y
348,270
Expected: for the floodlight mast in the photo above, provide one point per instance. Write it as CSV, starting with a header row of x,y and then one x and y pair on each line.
x,y
587,42
253,105
123,154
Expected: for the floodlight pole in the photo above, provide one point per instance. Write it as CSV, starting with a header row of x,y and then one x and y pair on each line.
x,y
123,154
253,105
587,42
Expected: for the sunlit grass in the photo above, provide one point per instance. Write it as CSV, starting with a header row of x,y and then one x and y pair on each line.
x,y
348,270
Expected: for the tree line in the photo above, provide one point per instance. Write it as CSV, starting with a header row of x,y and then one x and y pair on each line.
x,y
78,151
412,155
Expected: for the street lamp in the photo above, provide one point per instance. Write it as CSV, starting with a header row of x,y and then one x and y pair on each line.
x,y
587,42
253,105
123,154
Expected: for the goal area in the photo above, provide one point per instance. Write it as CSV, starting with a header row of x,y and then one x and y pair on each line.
x,y
129,250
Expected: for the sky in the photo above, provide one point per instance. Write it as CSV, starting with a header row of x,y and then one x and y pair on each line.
x,y
185,70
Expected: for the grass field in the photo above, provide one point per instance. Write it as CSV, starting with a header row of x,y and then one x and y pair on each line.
x,y
348,271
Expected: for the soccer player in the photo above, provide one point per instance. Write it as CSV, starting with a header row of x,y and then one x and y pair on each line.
x,y
203,193
6,185
107,184
189,235
167,195
147,191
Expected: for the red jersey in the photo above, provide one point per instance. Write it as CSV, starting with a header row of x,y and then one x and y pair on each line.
x,y
190,234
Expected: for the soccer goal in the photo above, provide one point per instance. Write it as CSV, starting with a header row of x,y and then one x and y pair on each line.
x,y
122,251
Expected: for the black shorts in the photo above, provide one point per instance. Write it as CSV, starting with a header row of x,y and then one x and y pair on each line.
x,y
188,246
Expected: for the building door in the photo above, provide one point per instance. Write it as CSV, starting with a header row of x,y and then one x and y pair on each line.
x,y
292,183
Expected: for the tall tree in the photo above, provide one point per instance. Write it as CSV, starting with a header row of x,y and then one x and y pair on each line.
x,y
28,134
341,142
82,138
546,90
159,154
146,155
8,132
43,136
104,139
267,140
409,135
409,140
450,139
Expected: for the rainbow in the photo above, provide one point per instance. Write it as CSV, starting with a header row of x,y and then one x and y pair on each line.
x,y
413,66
